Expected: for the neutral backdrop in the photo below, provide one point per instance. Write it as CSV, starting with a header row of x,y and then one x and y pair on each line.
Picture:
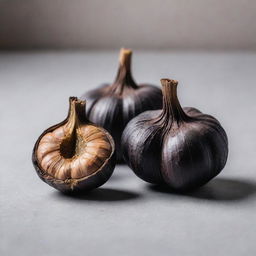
x,y
158,24
126,216
207,45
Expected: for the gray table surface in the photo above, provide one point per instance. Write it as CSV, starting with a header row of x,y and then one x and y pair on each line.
x,y
126,216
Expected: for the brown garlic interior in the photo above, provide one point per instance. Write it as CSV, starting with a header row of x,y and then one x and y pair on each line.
x,y
74,150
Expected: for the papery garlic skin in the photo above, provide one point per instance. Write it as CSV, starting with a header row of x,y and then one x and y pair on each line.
x,y
112,106
181,148
75,154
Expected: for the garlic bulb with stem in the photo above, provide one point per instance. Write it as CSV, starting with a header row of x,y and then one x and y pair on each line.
x,y
179,147
74,155
112,106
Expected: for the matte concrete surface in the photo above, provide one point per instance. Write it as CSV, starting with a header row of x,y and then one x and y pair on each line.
x,y
126,216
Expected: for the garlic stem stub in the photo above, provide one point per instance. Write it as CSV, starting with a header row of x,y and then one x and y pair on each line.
x,y
112,106
75,154
178,147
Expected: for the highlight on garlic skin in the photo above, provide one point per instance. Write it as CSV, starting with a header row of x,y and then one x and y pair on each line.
x,y
179,147
75,154
112,106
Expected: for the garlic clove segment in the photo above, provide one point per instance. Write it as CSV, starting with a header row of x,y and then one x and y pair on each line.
x,y
179,147
112,106
74,155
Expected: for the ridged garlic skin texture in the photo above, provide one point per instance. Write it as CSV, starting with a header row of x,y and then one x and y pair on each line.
x,y
91,150
113,112
113,105
179,147
74,155
184,157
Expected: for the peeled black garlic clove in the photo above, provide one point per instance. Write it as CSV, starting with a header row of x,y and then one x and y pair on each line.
x,y
75,154
113,105
182,148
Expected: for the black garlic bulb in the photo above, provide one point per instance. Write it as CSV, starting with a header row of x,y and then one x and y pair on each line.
x,y
74,155
112,106
179,147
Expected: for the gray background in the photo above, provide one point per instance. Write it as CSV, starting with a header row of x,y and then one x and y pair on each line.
x,y
208,45
126,216
158,24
